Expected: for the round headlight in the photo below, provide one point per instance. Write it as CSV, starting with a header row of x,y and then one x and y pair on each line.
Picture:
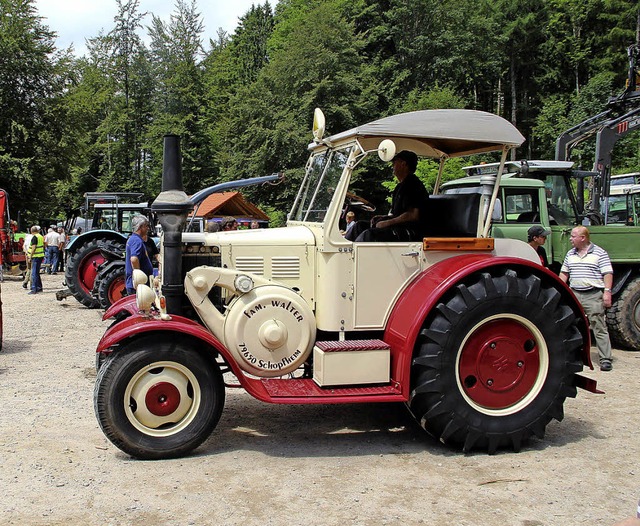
x,y
144,297
138,277
243,283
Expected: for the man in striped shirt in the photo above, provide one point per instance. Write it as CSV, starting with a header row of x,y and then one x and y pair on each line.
x,y
588,270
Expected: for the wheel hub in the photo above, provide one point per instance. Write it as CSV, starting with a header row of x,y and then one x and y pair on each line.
x,y
162,399
499,363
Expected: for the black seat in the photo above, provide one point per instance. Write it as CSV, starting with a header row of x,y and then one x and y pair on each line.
x,y
453,215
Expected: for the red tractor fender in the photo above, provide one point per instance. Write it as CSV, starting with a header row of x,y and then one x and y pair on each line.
x,y
424,293
138,325
125,304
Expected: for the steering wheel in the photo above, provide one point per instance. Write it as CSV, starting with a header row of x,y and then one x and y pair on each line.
x,y
360,203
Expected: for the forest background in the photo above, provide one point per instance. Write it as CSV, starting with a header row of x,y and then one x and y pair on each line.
x,y
243,102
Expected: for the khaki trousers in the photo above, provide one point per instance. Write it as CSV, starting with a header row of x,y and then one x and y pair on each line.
x,y
593,306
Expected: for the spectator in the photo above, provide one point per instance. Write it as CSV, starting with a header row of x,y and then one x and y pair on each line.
x,y
351,221
537,237
36,253
52,247
254,225
26,248
229,223
587,268
136,256
62,236
213,226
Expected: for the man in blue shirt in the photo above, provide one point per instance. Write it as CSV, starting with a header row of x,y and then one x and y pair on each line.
x,y
136,252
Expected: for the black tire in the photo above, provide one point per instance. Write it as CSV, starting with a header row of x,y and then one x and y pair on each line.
x,y
495,361
111,286
79,272
166,373
623,318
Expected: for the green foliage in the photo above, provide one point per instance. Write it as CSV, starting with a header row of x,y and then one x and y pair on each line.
x,y
244,105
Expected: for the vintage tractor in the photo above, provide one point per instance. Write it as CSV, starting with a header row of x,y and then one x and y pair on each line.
x,y
12,257
110,214
481,343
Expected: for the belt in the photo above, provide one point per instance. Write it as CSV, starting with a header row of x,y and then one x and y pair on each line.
x,y
587,291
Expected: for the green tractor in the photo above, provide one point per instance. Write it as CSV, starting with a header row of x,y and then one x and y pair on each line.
x,y
546,193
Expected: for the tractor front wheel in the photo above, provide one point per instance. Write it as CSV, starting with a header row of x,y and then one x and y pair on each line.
x,y
111,286
158,399
495,361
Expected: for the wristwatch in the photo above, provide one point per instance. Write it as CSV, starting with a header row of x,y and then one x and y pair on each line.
x,y
607,290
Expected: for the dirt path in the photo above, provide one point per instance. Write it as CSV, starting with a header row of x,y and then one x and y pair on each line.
x,y
265,464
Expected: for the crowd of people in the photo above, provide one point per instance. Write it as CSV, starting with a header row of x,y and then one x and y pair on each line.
x,y
43,254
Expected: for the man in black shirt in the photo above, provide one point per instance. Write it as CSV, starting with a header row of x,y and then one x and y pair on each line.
x,y
406,219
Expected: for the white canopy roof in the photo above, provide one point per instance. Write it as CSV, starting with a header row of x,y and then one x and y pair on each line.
x,y
435,133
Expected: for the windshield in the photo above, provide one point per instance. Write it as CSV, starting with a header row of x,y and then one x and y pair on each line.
x,y
322,176
559,201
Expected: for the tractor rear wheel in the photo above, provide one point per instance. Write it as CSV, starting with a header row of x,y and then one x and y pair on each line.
x,y
111,286
495,361
158,399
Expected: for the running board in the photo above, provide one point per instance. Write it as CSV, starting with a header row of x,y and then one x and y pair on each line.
x,y
308,389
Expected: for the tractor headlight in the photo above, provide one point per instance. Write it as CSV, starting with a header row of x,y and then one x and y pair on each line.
x,y
243,283
138,278
144,297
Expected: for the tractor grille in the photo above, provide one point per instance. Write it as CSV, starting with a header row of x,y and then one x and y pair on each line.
x,y
285,267
197,255
251,264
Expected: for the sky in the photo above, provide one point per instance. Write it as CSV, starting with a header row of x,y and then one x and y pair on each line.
x,y
76,20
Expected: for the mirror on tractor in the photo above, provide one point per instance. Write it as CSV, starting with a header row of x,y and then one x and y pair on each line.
x,y
138,278
387,150
318,125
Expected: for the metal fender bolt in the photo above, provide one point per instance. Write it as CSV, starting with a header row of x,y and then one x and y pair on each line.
x,y
489,382
493,345
520,364
344,294
200,283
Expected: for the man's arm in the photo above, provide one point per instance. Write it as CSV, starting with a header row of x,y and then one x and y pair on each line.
x,y
608,285
135,262
413,214
564,276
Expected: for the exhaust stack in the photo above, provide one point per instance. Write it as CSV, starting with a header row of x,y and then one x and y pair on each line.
x,y
172,207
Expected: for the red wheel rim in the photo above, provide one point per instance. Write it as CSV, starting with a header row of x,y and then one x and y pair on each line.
x,y
162,399
500,363
117,290
88,270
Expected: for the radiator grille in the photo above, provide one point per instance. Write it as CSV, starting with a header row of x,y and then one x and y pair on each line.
x,y
285,267
251,264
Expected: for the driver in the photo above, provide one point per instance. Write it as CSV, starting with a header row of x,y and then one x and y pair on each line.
x,y
406,220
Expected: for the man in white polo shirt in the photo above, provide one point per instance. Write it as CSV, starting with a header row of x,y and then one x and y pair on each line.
x,y
588,270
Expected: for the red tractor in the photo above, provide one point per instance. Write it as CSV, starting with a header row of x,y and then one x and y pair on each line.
x,y
12,257
480,342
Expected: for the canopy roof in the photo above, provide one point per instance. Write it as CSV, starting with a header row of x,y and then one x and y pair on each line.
x,y
229,204
435,133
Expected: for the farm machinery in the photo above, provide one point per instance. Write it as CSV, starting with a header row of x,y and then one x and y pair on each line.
x,y
480,342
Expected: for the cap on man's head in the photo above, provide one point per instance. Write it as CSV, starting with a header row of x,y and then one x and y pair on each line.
x,y
538,230
408,157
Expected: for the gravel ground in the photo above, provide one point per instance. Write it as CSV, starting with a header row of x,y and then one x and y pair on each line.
x,y
273,464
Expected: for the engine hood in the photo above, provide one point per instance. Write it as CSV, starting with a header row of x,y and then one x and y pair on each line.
x,y
260,237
